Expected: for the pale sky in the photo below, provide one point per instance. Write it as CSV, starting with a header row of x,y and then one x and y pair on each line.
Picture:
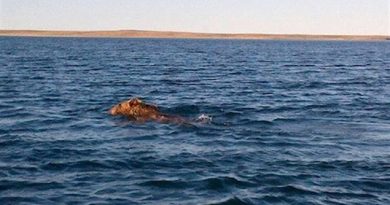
x,y
351,17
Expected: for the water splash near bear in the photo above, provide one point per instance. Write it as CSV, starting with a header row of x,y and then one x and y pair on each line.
x,y
204,119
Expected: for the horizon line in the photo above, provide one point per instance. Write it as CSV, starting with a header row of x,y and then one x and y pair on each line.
x,y
183,31
135,33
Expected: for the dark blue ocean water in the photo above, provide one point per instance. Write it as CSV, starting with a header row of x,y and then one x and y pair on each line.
x,y
293,122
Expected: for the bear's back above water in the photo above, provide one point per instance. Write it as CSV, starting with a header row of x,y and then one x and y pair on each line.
x,y
135,109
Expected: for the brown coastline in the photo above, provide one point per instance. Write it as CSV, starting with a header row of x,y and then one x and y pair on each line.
x,y
184,35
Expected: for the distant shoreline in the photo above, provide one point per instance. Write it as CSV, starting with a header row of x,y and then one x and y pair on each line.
x,y
187,35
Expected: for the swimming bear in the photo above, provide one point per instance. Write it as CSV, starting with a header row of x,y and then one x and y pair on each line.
x,y
136,110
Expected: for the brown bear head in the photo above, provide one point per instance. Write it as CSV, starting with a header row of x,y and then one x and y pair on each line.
x,y
134,109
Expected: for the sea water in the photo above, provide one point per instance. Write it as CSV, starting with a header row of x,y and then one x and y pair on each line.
x,y
289,122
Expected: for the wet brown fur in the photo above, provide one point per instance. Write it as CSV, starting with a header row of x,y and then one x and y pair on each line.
x,y
137,110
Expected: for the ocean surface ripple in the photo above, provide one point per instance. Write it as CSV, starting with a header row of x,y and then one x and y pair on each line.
x,y
293,122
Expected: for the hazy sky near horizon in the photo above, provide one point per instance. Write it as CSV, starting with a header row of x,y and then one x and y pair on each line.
x,y
352,17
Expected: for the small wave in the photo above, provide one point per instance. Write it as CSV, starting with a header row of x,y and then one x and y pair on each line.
x,y
291,189
340,65
11,142
182,109
232,201
249,122
299,65
85,165
17,169
220,183
349,194
233,114
17,185
164,183
285,120
370,185
6,200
